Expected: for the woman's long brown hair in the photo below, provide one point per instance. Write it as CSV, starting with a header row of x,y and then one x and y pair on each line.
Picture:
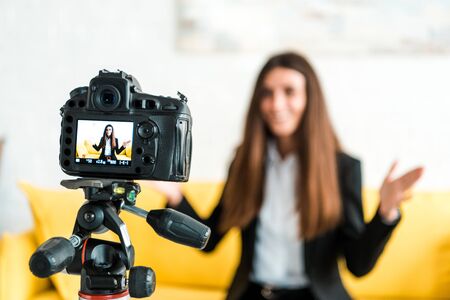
x,y
318,201
112,138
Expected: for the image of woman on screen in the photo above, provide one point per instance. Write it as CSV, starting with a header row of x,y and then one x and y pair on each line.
x,y
109,144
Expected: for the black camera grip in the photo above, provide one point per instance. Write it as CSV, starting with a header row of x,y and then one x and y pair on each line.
x,y
179,227
53,256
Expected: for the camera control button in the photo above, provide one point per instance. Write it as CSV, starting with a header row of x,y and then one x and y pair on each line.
x,y
146,130
149,160
170,107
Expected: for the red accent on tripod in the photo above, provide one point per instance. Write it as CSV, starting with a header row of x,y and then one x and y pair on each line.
x,y
103,297
83,251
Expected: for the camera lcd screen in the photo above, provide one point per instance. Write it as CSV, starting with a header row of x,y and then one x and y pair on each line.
x,y
104,143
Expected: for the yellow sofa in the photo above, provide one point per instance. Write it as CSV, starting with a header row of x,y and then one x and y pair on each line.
x,y
85,150
414,265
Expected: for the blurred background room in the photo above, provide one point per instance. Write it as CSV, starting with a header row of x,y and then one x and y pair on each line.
x,y
384,65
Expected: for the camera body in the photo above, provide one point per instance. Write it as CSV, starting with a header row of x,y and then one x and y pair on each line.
x,y
113,130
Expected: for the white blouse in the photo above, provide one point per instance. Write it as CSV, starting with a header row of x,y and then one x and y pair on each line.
x,y
108,147
278,258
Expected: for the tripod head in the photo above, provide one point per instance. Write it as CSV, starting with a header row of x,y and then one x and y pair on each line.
x,y
103,264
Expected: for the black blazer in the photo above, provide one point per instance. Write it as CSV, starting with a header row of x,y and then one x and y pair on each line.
x,y
359,243
113,150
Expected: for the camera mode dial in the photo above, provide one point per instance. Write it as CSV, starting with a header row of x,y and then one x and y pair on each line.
x,y
78,91
147,130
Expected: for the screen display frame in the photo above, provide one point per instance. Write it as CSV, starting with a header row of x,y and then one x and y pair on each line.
x,y
91,151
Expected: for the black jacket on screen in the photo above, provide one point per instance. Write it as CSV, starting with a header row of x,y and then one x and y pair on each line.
x,y
114,150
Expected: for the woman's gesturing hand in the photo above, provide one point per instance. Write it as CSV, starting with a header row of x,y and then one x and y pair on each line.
x,y
125,143
172,191
396,190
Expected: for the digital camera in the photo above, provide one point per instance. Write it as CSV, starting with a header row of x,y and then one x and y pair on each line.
x,y
113,130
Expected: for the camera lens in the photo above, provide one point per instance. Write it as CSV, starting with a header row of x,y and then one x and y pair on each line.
x,y
107,98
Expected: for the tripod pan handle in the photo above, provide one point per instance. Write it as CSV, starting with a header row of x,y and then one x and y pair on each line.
x,y
178,227
53,256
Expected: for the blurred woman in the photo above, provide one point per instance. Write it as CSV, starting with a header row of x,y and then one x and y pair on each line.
x,y
296,195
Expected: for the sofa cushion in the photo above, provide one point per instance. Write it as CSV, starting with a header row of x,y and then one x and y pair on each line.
x,y
15,250
416,260
49,295
415,263
176,292
128,151
90,148
81,150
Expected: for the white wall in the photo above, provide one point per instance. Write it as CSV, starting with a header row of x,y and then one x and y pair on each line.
x,y
384,107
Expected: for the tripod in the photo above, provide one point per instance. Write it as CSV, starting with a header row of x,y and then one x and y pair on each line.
x,y
103,264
